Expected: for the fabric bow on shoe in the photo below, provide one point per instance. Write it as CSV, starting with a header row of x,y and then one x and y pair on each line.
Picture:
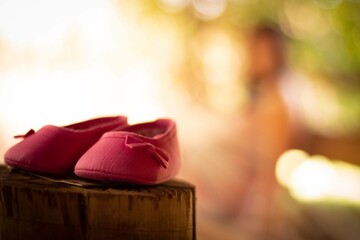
x,y
30,132
161,155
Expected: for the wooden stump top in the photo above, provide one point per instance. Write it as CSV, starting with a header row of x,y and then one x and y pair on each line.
x,y
36,207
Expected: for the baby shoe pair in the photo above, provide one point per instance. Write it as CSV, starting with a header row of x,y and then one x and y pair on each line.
x,y
105,149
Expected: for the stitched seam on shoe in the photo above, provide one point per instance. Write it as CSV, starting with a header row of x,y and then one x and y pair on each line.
x,y
76,133
164,140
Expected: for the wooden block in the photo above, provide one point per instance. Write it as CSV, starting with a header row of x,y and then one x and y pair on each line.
x,y
32,207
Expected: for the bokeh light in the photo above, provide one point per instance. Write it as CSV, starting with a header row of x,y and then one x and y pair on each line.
x,y
287,163
313,179
317,179
209,9
67,61
69,64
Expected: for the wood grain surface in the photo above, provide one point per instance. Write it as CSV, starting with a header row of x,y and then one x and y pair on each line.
x,y
33,207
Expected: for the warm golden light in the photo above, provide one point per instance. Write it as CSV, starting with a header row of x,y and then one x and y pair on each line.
x,y
173,5
313,179
71,61
287,164
222,62
314,25
209,9
348,188
316,178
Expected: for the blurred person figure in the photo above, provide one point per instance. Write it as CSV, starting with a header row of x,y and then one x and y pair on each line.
x,y
271,128
247,206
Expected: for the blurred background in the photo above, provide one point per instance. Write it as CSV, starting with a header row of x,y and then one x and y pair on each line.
x,y
248,81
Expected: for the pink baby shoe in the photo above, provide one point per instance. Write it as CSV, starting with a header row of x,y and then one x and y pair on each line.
x,y
55,150
146,153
